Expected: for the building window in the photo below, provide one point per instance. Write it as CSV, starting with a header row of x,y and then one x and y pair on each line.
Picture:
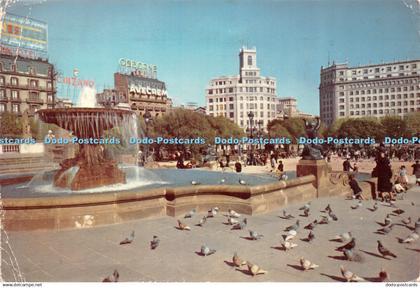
x,y
34,84
249,60
231,115
2,94
1,80
15,95
231,106
14,81
15,108
2,108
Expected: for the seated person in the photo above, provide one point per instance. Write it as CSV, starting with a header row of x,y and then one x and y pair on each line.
x,y
354,185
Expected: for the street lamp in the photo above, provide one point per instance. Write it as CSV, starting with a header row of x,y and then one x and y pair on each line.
x,y
251,121
147,120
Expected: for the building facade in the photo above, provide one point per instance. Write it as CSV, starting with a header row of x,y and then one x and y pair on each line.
x,y
110,98
143,94
26,85
287,107
234,97
372,90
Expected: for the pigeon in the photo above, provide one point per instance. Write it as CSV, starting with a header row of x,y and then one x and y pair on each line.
x,y
412,203
129,239
206,251
359,204
343,237
406,221
290,235
232,221
237,261
183,226
233,213
190,214
311,236
417,224
202,221
193,182
255,269
383,275
375,207
385,252
349,245
386,229
333,216
287,216
155,242
293,227
328,208
242,182
350,276
113,277
306,206
213,212
306,264
325,219
387,220
311,225
398,211
287,245
410,238
254,235
348,253
306,212
241,225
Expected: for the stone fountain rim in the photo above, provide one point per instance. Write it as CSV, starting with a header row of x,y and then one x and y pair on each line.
x,y
84,109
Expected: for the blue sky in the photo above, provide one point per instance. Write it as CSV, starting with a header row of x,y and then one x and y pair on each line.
x,y
194,41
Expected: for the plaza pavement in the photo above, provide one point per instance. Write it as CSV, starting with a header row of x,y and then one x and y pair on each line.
x,y
92,254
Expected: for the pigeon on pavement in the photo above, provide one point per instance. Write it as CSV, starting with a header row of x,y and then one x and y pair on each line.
x,y
311,236
383,275
193,182
202,221
306,264
311,225
254,235
190,214
255,269
233,213
286,215
349,245
333,216
290,235
240,225
343,237
183,226
288,245
406,221
155,242
237,261
206,251
113,277
410,238
306,206
385,230
306,212
213,212
359,204
350,276
232,221
128,239
384,251
293,227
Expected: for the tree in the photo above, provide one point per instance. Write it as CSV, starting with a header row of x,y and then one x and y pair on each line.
x,y
413,123
10,125
361,128
394,127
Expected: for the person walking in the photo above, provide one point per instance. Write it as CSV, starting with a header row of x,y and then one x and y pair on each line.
x,y
384,174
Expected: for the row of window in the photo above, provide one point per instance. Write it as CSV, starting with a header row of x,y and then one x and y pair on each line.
x,y
241,106
380,91
14,81
380,112
380,98
387,104
250,98
31,70
241,89
15,95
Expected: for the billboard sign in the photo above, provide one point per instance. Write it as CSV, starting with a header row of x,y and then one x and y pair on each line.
x,y
23,32
139,68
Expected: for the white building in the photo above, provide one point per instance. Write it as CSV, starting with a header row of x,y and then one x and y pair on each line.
x,y
235,96
372,90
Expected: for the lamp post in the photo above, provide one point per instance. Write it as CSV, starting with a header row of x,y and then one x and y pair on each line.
x,y
251,121
260,130
147,120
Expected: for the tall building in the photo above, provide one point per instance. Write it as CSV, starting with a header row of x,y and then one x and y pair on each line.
x,y
142,93
235,96
110,98
371,90
26,85
287,107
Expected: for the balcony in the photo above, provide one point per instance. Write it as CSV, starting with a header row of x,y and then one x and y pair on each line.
x,y
15,100
34,100
3,99
28,87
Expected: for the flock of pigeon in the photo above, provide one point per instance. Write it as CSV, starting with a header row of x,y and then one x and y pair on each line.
x,y
327,216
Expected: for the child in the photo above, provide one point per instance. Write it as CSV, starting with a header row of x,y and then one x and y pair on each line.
x,y
357,191
403,178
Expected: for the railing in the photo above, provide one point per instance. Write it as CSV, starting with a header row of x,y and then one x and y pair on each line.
x,y
10,148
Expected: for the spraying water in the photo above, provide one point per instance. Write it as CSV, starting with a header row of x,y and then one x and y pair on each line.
x,y
87,98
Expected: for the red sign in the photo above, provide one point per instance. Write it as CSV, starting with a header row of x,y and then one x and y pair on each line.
x,y
14,51
76,82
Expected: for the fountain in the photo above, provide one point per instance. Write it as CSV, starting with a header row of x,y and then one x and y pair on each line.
x,y
89,168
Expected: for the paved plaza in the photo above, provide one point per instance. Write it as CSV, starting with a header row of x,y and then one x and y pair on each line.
x,y
92,254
